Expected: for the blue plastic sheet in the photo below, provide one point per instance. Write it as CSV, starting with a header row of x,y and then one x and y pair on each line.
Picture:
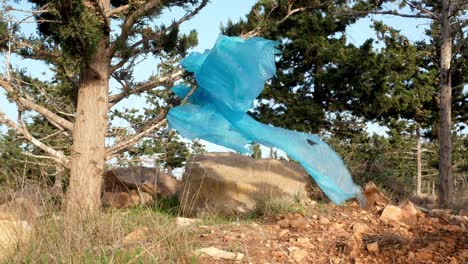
x,y
230,77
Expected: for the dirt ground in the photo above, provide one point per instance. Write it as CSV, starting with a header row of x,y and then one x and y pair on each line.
x,y
337,234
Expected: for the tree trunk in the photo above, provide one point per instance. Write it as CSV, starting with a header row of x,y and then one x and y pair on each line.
x,y
418,162
88,150
445,188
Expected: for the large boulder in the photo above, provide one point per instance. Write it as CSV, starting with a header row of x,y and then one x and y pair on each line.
x,y
149,180
27,203
232,184
132,186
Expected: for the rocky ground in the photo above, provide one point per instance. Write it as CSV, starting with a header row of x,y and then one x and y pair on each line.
x,y
309,233
325,233
344,234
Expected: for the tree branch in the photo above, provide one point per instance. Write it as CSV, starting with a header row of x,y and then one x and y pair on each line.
x,y
422,9
160,121
124,145
143,87
29,104
134,49
55,155
395,13
116,11
130,22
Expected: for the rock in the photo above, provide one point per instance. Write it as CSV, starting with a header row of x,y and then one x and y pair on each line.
x,y
126,199
463,213
27,204
220,254
423,256
182,221
337,226
324,221
400,216
232,184
341,233
354,245
137,236
303,240
462,221
148,180
373,247
361,228
12,234
374,196
440,213
410,213
283,233
299,255
299,224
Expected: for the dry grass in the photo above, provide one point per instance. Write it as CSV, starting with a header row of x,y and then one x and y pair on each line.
x,y
103,239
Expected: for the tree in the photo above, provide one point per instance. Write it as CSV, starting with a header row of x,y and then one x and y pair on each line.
x,y
448,16
321,80
311,35
76,39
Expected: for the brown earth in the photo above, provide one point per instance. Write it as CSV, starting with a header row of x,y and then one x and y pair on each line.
x,y
337,234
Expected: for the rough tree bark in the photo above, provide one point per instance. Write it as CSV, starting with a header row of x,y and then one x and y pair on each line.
x,y
445,188
88,150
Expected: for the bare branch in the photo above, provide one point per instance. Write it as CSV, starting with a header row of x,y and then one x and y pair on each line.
x,y
55,155
135,49
143,87
395,13
256,31
160,121
116,11
29,104
130,22
122,146
418,6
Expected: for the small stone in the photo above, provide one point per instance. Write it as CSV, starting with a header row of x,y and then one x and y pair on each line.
x,y
291,249
355,244
324,221
315,217
275,228
229,238
396,216
424,255
337,226
361,228
303,240
139,235
373,247
411,255
299,255
182,221
283,233
463,213
220,254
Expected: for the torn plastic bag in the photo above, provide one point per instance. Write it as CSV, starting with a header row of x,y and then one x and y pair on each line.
x,y
229,78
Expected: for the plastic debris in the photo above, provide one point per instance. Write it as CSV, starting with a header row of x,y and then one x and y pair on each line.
x,y
230,77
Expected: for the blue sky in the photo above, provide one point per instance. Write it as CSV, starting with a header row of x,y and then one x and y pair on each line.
x,y
207,24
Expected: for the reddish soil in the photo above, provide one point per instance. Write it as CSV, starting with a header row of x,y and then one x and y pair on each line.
x,y
325,235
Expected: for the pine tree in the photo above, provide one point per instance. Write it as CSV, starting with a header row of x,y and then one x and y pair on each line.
x,y
86,43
